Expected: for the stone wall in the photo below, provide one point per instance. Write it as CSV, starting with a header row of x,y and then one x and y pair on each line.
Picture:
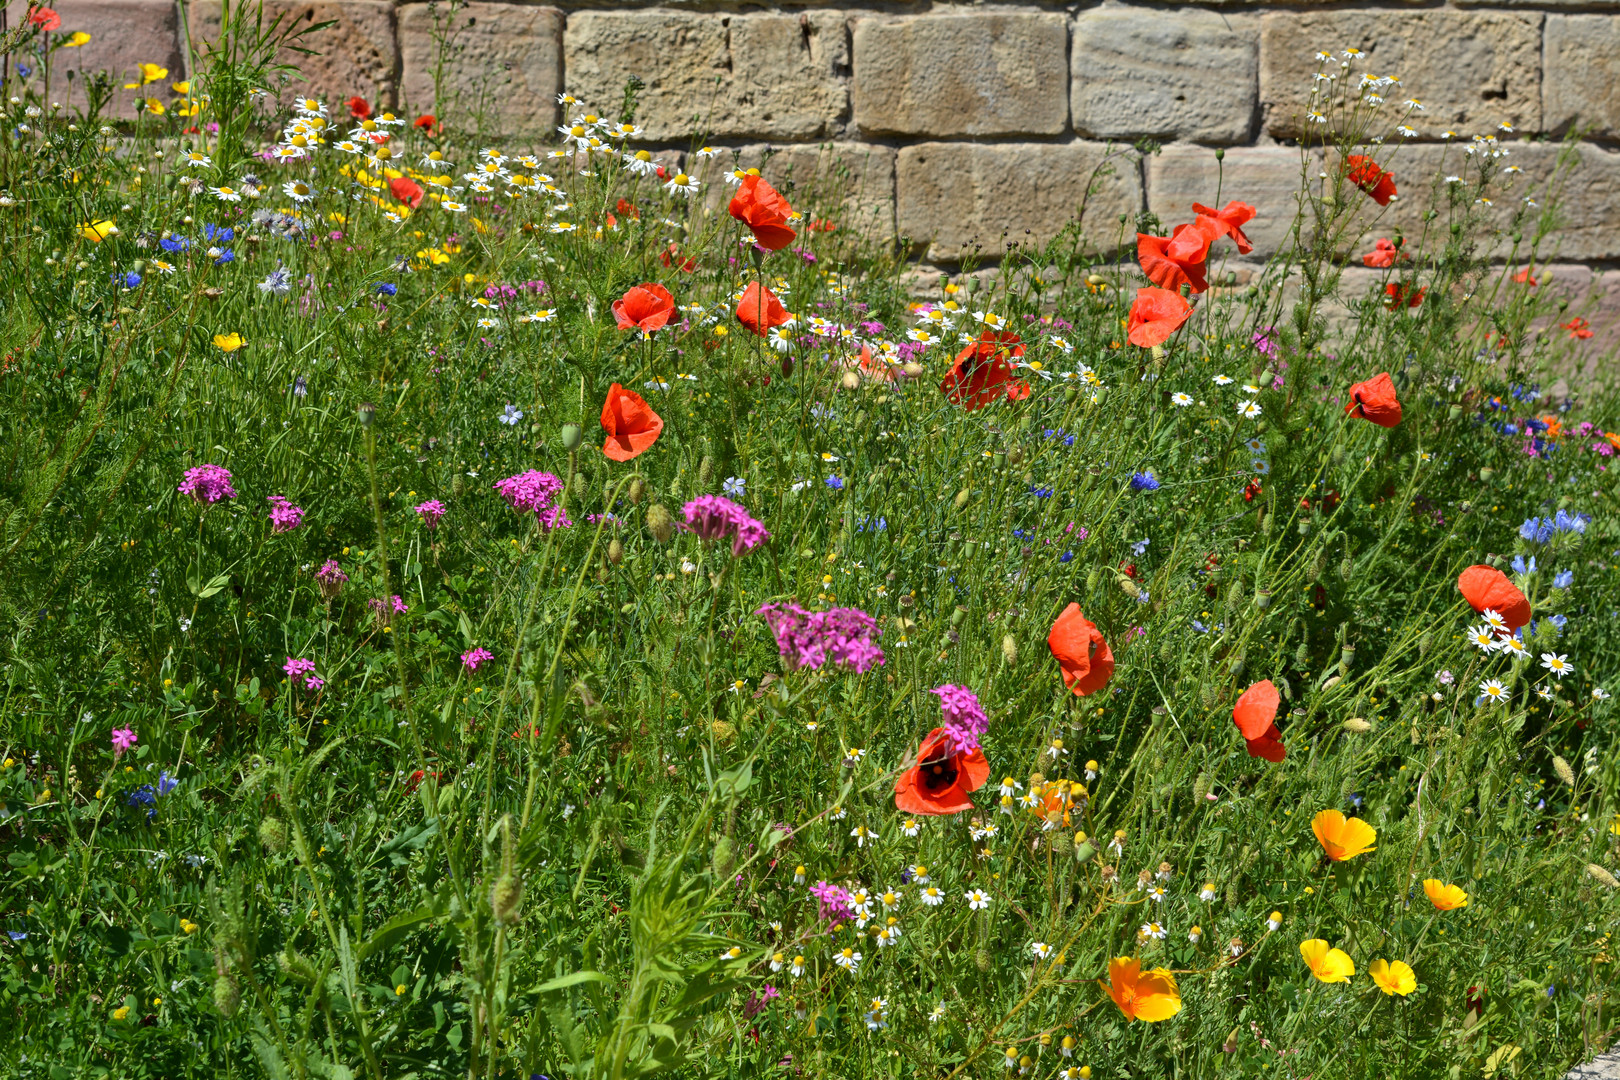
x,y
967,128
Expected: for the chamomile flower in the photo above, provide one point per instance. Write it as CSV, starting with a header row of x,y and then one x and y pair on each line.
x,y
796,969
932,896
862,836
1248,409
891,899
681,184
977,899
1493,691
918,872
1274,920
1494,618
848,959
1154,930
1181,400
1040,950
1558,665
1484,638
1207,893
1223,380
778,961
910,827
544,315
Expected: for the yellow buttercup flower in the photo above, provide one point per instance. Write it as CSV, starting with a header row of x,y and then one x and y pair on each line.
x,y
1445,897
1343,838
229,342
1328,964
1392,977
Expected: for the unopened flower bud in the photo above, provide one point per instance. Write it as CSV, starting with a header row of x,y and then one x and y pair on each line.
x,y
228,993
367,413
615,552
1356,725
659,523
637,492
273,835
572,436
1565,773
1009,650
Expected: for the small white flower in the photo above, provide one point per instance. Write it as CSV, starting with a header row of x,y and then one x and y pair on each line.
x,y
1154,930
797,967
1484,638
862,835
932,897
977,899
1041,950
1599,694
1181,400
1558,665
1248,409
910,827
1207,893
1492,690
848,959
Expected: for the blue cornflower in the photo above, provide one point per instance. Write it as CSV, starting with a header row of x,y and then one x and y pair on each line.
x,y
1066,556
24,70
142,796
835,483
222,256
1563,579
872,524
1144,481
1068,440
1140,546
386,288
174,243
222,234
1522,567
278,282
129,280
1040,492
511,416
1537,426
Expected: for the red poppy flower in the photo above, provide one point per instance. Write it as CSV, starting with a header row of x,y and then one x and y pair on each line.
x,y
1523,278
673,258
1156,314
630,423
645,307
406,190
1384,255
762,208
44,18
1160,262
1364,172
427,122
1229,221
940,781
1375,400
1485,587
1578,328
759,310
1397,293
981,373
358,108
1251,490
628,209
1255,715
1084,657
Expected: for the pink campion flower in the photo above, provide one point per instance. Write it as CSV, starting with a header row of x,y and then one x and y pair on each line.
x,y
330,577
430,512
832,902
535,492
395,602
301,672
756,1002
713,517
313,682
473,657
207,484
123,739
284,516
845,636
965,720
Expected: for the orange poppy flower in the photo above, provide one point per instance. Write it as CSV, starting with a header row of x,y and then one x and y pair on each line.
x,y
1523,277
1486,587
1397,293
1384,255
646,308
1164,265
1578,328
1255,715
1141,995
406,190
1364,172
1155,315
1084,657
1343,838
1229,221
762,208
1375,400
759,310
981,373
942,778
630,423
1328,964
1444,897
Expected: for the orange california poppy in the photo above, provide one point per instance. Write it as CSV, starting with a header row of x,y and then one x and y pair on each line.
x,y
1255,715
1084,657
1393,976
981,373
1229,221
645,307
940,780
759,310
1343,838
1375,400
1164,269
1328,964
1364,172
630,423
1141,995
406,190
1444,897
1384,255
1485,587
1155,315
762,208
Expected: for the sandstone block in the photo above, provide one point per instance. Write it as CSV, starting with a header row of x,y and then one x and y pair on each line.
x,y
1177,74
503,64
1581,81
981,74
123,35
962,199
1470,69
1266,177
722,76
356,55
853,183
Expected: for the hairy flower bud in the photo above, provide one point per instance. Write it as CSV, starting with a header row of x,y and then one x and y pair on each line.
x,y
1203,786
1601,875
228,993
659,523
1009,650
724,860
505,898
1357,725
1565,773
637,492
615,551
273,835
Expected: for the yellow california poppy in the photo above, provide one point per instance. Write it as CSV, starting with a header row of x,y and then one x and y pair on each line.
x,y
229,342
1392,977
181,87
151,73
97,231
1445,897
1141,995
155,107
1341,838
77,38
1328,964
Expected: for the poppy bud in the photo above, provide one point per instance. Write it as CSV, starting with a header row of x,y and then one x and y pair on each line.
x,y
1236,667
572,436
1565,773
724,859
787,367
1220,154
615,552
291,963
1009,650
962,497
505,898
1091,579
579,485
1129,588
1601,875
659,523
367,413
273,835
983,961
1302,655
228,993
850,381
705,471
637,491
1095,280
912,369
458,486
1356,725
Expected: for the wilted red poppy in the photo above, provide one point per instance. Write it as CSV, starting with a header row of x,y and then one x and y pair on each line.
x,y
1398,293
1229,221
1375,400
940,781
44,18
1384,254
630,423
1577,327
1165,269
1485,588
1255,715
762,208
981,373
427,122
1364,172
358,108
1156,314
759,310
406,190
645,307
1084,657
672,257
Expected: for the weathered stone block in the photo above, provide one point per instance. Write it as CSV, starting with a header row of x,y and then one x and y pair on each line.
x,y
503,63
725,76
854,182
1470,69
1581,81
965,199
123,35
1178,74
356,55
990,73
1266,177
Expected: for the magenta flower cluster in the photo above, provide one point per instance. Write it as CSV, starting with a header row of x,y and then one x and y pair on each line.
x,y
301,672
430,512
713,517
965,720
123,739
330,577
395,602
809,639
473,657
535,492
832,902
207,484
284,516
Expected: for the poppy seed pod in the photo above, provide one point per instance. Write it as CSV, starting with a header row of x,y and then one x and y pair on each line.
x,y
367,413
615,551
637,492
659,523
